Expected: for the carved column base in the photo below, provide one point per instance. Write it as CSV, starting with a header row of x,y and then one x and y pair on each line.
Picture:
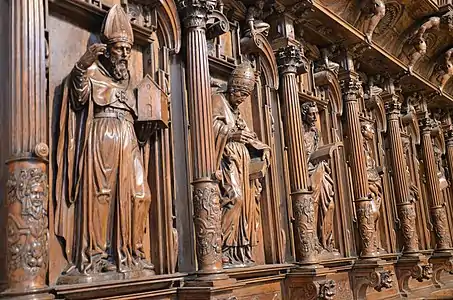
x,y
441,261
416,267
366,226
370,273
27,229
304,227
208,229
310,284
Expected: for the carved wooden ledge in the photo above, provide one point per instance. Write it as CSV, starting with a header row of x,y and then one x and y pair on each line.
x,y
416,267
139,287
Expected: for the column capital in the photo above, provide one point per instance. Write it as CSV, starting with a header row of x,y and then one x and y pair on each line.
x,y
194,13
351,88
426,124
392,108
290,60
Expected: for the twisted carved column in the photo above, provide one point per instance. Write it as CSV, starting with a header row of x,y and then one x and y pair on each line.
x,y
351,87
289,61
437,207
405,208
27,186
206,197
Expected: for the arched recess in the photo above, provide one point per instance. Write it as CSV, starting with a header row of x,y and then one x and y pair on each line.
x,y
159,22
376,104
330,121
169,24
258,46
328,81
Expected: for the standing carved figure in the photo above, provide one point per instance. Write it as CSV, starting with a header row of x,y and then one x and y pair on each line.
x,y
374,176
103,197
376,10
242,159
321,180
256,13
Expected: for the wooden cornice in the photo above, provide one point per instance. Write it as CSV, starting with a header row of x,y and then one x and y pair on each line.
x,y
351,35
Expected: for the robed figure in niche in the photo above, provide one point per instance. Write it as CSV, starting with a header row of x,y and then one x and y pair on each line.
x,y
321,181
102,192
243,160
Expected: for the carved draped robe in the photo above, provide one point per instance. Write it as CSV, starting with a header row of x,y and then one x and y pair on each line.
x,y
240,194
101,188
323,193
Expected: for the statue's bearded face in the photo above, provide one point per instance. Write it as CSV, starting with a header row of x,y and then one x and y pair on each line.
x,y
119,54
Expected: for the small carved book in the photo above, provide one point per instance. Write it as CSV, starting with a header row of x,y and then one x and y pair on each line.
x,y
257,168
152,103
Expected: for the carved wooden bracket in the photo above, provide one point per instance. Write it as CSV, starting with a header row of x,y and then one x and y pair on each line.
x,y
375,9
418,39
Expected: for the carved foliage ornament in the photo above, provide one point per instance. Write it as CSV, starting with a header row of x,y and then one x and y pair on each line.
x,y
366,221
206,202
440,222
304,217
27,230
407,217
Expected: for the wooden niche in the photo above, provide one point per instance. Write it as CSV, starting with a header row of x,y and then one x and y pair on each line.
x,y
73,26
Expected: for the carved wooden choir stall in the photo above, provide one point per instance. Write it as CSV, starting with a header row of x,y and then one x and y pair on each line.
x,y
226,149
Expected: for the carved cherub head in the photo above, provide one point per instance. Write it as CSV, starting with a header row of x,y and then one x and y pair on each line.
x,y
309,112
241,84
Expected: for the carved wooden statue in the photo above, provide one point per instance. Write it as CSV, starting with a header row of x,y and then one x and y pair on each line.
x,y
374,176
242,159
103,196
256,13
419,41
321,180
376,10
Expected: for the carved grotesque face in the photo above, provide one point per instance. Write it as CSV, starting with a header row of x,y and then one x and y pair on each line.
x,y
119,54
237,96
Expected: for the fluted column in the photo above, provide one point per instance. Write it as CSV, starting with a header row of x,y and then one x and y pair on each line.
x,y
351,87
206,197
289,61
405,208
27,186
436,203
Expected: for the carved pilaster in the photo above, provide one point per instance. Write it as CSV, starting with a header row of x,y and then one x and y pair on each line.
x,y
207,212
27,185
406,209
289,61
436,202
352,90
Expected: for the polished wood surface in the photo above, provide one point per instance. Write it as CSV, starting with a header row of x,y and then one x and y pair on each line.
x,y
226,150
